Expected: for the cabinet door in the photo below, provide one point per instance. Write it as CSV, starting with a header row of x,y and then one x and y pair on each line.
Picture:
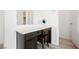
x,y
31,43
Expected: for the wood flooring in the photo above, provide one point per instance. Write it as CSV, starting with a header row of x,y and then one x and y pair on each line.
x,y
63,44
66,44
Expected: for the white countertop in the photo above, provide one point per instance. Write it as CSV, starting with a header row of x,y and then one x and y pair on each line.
x,y
24,29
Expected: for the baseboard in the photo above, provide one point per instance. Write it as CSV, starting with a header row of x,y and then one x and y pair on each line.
x,y
65,38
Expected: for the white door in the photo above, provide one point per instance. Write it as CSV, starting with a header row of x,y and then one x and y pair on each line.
x,y
65,24
75,26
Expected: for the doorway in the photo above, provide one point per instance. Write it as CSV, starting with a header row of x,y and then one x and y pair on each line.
x,y
65,28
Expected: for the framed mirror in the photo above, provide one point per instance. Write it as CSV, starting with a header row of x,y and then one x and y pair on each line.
x,y
24,17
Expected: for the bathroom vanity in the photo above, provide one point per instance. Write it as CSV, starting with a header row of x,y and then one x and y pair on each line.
x,y
27,35
27,41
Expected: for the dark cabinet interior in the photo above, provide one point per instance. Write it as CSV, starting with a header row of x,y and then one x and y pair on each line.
x,y
31,43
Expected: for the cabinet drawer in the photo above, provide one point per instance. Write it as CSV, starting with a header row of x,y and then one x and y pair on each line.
x,y
32,34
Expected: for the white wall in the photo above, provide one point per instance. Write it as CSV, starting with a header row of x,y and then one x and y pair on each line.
x,y
51,18
78,25
1,26
37,17
10,29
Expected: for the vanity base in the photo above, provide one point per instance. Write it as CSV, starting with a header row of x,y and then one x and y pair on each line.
x,y
29,40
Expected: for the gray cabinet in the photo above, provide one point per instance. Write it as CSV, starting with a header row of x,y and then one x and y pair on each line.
x,y
27,41
20,41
